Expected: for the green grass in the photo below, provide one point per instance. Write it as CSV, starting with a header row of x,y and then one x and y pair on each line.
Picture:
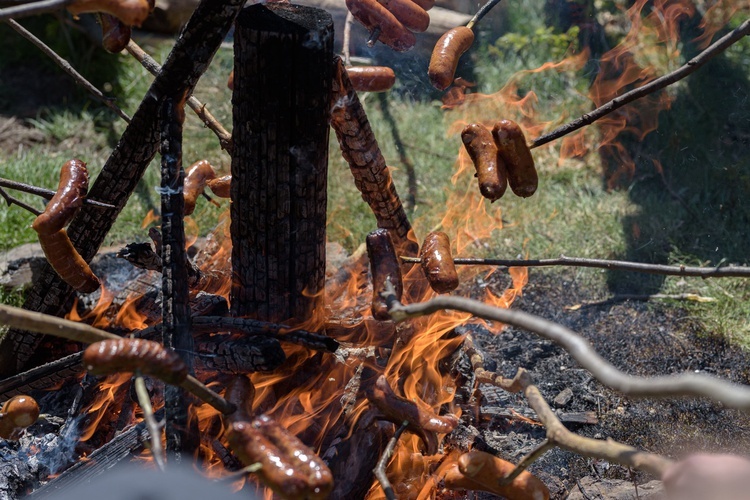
x,y
694,211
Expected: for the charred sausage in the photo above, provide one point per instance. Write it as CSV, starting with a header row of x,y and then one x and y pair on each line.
x,y
384,266
67,262
71,191
491,171
448,50
371,78
511,146
437,262
128,355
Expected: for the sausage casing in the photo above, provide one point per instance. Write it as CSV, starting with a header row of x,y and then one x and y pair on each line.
x,y
196,178
487,470
491,171
67,262
511,146
371,78
448,50
425,4
115,33
408,13
384,266
18,413
288,466
130,12
128,355
221,186
71,191
437,262
373,15
240,392
230,81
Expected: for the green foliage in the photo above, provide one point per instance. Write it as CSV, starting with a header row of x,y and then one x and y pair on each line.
x,y
542,40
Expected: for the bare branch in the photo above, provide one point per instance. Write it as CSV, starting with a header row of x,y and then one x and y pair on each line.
x,y
201,391
11,200
16,317
685,384
693,64
44,193
619,265
65,66
153,67
347,38
33,8
379,470
483,10
529,459
154,428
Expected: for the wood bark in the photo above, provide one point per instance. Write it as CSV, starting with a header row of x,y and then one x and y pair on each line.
x,y
282,85
120,175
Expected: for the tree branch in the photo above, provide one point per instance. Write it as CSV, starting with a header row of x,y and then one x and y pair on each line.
x,y
33,8
12,200
664,81
379,470
154,428
619,265
16,317
44,193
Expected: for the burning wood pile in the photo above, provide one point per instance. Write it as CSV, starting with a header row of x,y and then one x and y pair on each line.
x,y
305,385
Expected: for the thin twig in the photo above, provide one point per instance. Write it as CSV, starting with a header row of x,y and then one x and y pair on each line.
x,y
44,193
379,470
154,428
668,79
202,392
347,38
483,10
16,317
529,459
153,67
33,8
65,66
685,384
12,200
619,265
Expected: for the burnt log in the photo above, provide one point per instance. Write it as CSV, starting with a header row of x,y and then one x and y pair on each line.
x,y
282,85
123,170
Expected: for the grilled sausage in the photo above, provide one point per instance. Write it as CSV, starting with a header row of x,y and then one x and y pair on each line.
x,y
371,78
71,190
448,50
230,81
437,262
373,15
425,4
130,12
240,392
384,266
221,185
487,470
511,145
115,33
491,171
196,178
128,355
18,413
408,13
67,262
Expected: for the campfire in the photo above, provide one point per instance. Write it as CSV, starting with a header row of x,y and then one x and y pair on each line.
x,y
258,358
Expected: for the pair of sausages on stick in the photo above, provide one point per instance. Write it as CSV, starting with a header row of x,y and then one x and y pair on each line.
x,y
393,20
437,265
501,158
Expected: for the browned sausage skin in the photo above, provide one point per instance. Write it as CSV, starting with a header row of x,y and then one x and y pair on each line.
x,y
115,33
511,146
196,178
491,171
240,392
373,15
425,4
67,262
448,50
128,355
71,191
130,12
437,262
384,266
17,413
230,80
487,470
371,78
221,186
408,13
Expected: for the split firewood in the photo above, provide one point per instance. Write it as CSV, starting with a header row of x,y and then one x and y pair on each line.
x,y
479,471
512,147
423,422
437,262
384,267
130,12
371,78
115,33
16,414
288,466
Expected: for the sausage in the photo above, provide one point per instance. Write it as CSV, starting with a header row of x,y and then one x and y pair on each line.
x,y
373,15
115,33
384,266
371,78
448,50
491,171
230,81
487,470
196,178
71,190
221,185
128,355
437,262
67,262
408,13
17,413
511,146
240,392
288,466
130,12
425,4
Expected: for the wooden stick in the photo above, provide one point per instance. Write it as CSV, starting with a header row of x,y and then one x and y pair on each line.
x,y
44,193
12,200
379,470
16,317
692,65
154,428
619,265
33,8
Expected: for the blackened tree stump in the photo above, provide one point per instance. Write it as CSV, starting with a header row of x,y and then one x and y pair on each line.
x,y
282,86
